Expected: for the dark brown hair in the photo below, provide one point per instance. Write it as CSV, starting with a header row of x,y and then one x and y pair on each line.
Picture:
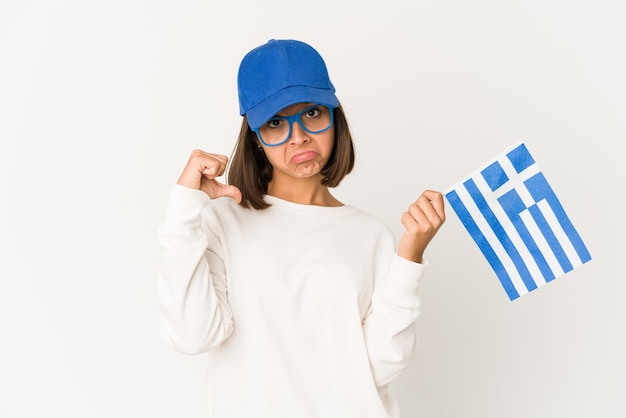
x,y
251,171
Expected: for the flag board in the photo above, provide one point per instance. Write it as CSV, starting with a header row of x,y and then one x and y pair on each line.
x,y
517,221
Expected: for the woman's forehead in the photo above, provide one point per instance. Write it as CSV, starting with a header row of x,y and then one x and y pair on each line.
x,y
294,108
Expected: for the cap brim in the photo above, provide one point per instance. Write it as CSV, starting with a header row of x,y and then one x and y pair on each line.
x,y
268,108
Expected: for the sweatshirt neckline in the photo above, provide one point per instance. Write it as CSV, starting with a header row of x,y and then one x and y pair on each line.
x,y
307,209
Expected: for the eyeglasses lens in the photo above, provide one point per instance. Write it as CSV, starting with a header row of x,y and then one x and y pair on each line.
x,y
313,119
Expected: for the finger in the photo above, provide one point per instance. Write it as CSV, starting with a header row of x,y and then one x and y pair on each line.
x,y
197,153
412,242
425,218
201,167
436,200
211,170
212,167
429,210
215,190
208,164
231,191
409,222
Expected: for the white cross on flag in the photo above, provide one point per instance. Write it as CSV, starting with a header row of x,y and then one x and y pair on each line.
x,y
517,221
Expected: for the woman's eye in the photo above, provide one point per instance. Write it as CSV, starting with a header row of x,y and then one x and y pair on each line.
x,y
313,112
274,123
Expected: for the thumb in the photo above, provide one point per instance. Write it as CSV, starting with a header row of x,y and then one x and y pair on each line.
x,y
227,190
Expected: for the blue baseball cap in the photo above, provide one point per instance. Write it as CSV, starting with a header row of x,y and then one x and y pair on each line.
x,y
278,74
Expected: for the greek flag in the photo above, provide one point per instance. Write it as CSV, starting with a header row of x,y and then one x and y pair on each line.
x,y
518,223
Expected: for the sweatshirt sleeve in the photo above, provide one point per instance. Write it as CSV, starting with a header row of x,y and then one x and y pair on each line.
x,y
389,327
191,284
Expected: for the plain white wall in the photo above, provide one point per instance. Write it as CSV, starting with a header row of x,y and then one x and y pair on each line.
x,y
101,102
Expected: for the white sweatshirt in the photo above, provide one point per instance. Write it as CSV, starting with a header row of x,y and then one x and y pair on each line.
x,y
304,311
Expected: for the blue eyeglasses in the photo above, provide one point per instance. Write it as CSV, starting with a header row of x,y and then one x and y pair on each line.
x,y
314,120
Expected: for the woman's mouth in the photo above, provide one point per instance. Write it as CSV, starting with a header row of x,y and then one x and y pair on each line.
x,y
303,157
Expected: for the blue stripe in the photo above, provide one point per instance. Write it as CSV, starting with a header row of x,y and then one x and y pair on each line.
x,y
540,189
483,243
513,205
552,240
501,234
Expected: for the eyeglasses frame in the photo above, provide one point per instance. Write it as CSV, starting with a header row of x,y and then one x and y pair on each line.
x,y
295,118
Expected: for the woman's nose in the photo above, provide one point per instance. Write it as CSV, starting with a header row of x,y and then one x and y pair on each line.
x,y
298,134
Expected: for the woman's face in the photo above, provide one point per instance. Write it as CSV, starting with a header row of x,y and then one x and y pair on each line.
x,y
304,154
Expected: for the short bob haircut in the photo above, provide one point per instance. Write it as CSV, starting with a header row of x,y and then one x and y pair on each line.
x,y
251,171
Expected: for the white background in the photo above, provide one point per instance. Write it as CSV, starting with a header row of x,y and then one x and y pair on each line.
x,y
101,102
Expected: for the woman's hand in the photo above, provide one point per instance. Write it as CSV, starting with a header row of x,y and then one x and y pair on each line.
x,y
201,171
422,221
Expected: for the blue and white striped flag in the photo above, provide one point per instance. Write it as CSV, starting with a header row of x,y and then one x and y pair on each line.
x,y
517,221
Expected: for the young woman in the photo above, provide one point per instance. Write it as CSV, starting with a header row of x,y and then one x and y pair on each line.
x,y
304,305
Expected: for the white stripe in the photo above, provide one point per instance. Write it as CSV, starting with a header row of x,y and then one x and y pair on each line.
x,y
541,242
552,220
491,239
509,228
